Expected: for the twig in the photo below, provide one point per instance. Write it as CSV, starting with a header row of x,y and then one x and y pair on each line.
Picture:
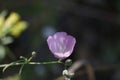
x,y
32,63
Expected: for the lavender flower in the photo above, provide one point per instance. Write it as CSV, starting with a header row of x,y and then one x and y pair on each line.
x,y
61,44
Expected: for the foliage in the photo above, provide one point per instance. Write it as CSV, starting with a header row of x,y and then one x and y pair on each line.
x,y
10,27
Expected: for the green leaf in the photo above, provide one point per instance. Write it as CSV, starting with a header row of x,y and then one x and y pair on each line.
x,y
6,40
2,52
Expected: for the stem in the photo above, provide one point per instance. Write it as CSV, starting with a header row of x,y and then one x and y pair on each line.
x,y
20,71
32,63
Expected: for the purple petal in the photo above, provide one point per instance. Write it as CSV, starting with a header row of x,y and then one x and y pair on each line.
x,y
61,44
59,55
69,46
70,43
59,39
52,44
59,35
67,54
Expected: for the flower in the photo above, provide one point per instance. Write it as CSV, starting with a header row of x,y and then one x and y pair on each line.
x,y
61,44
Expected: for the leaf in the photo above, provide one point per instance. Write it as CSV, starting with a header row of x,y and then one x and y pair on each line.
x,y
7,40
2,52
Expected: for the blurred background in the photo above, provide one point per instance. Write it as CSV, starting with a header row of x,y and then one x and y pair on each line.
x,y
94,23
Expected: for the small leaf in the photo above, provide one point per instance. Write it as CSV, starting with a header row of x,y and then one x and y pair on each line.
x,y
7,40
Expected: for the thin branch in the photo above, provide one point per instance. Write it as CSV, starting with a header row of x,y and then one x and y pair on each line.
x,y
31,63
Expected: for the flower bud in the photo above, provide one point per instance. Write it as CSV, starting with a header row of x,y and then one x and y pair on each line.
x,y
33,53
68,62
68,75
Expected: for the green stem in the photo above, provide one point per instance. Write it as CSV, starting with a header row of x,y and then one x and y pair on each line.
x,y
32,63
20,71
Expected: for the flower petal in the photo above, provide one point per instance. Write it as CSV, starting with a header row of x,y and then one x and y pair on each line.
x,y
52,44
67,54
70,43
61,44
59,35
59,55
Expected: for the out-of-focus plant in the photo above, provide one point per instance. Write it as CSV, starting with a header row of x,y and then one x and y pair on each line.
x,y
10,27
16,77
60,44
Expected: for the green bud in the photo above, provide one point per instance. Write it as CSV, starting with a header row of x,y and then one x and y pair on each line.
x,y
21,57
68,62
33,53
